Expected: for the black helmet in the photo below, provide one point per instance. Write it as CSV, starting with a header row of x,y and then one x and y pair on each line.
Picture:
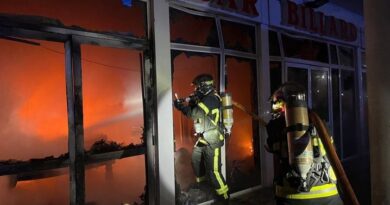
x,y
204,84
203,79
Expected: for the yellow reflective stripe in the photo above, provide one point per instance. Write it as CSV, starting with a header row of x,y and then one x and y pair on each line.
x,y
224,188
210,82
203,141
313,196
325,190
322,149
216,112
332,175
323,187
204,107
200,179
225,195
221,137
315,141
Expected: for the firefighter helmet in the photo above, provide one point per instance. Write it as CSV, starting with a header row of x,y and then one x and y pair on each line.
x,y
204,84
277,101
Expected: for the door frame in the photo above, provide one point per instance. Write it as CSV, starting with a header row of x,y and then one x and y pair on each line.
x,y
309,68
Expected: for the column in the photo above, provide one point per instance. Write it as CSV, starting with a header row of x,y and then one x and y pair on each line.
x,y
377,30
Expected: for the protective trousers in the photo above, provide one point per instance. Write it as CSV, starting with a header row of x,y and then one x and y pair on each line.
x,y
206,162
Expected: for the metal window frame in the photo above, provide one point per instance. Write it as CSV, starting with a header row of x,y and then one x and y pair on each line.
x,y
223,53
356,69
310,68
72,39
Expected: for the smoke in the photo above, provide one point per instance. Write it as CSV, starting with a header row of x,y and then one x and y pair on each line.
x,y
33,121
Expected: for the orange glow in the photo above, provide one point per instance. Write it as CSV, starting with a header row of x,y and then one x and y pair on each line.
x,y
41,113
33,111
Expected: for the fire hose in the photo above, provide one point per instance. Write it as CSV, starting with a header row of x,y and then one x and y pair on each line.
x,y
350,197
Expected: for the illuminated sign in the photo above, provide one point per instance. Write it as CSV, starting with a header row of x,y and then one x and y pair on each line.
x,y
305,18
247,7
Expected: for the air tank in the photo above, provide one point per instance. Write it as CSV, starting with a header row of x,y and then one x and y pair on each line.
x,y
227,112
300,149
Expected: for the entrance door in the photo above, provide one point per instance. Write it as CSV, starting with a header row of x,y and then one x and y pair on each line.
x,y
316,82
185,67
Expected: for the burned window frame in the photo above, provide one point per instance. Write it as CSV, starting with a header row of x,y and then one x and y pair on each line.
x,y
223,53
72,38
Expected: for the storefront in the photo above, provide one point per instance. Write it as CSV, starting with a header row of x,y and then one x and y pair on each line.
x,y
321,48
250,47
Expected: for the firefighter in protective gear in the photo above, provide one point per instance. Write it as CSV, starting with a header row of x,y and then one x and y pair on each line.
x,y
204,107
320,181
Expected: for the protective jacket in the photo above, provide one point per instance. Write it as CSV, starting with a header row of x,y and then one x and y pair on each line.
x,y
206,114
206,155
321,178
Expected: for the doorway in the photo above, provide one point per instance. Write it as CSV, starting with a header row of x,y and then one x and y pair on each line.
x,y
316,81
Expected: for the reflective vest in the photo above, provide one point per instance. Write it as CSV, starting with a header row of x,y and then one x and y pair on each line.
x,y
206,116
321,177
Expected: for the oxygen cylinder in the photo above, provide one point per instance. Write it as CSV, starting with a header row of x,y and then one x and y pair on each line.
x,y
300,149
227,112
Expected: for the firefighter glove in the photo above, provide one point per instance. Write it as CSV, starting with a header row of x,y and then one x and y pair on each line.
x,y
179,104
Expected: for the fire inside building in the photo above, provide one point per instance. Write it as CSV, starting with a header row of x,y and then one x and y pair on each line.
x,y
87,90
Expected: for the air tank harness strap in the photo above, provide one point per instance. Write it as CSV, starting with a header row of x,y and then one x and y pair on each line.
x,y
298,127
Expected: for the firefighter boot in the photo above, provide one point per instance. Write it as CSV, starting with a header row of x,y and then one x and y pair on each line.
x,y
221,199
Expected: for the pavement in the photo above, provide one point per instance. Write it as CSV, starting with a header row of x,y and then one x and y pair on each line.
x,y
261,196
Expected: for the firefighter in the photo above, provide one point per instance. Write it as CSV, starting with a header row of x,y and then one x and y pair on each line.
x,y
204,107
302,172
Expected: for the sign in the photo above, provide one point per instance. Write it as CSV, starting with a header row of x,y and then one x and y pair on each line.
x,y
246,7
305,18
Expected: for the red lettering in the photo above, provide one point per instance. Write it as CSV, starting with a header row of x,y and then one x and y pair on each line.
x,y
321,23
344,34
352,32
306,18
249,6
232,4
332,26
292,13
219,2
303,17
312,21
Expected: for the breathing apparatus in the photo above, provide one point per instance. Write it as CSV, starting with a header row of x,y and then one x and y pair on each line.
x,y
227,112
300,149
205,85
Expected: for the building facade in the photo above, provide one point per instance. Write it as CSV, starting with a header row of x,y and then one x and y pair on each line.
x,y
249,46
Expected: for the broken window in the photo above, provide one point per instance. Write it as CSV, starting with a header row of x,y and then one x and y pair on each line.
x,y
103,15
33,120
185,67
192,29
242,147
306,49
239,36
113,120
